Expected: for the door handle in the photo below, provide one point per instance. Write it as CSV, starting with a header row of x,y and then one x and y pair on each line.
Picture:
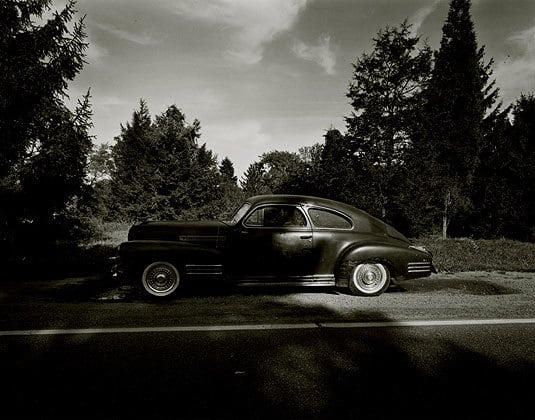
x,y
306,236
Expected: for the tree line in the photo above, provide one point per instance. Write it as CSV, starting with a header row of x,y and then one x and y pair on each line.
x,y
427,147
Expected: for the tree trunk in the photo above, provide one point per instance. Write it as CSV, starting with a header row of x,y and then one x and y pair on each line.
x,y
446,216
445,223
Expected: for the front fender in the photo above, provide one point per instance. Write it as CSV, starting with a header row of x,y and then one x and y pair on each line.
x,y
137,253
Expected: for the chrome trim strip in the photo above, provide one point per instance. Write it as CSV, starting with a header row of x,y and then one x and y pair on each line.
x,y
420,267
317,283
201,238
204,269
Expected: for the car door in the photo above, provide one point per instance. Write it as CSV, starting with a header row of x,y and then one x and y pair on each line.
x,y
273,241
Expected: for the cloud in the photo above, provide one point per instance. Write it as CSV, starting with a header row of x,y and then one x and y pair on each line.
x,y
519,71
107,101
421,15
142,39
241,140
252,23
322,53
95,52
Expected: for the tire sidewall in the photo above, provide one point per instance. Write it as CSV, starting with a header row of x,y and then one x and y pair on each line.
x,y
354,287
154,293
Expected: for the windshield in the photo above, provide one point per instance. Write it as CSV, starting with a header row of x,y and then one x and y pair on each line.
x,y
239,213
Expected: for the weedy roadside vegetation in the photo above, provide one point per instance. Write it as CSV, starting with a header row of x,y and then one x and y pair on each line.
x,y
449,255
465,254
92,258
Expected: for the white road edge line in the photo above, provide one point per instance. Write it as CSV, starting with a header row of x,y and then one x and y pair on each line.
x,y
209,328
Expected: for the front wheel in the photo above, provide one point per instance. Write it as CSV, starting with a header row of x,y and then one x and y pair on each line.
x,y
160,279
369,279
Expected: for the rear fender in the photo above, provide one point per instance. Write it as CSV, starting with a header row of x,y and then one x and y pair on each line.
x,y
368,252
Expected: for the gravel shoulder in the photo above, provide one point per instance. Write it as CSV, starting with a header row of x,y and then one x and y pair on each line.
x,y
93,301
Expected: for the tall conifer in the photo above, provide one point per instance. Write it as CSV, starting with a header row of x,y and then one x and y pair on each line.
x,y
456,102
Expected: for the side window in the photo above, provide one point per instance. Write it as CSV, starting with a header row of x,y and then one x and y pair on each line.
x,y
329,220
256,218
276,216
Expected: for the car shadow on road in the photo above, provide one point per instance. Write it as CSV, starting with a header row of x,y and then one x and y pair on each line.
x,y
318,373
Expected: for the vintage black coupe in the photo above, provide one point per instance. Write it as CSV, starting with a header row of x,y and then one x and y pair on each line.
x,y
275,240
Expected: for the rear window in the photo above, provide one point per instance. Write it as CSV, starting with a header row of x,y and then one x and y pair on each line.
x,y
322,218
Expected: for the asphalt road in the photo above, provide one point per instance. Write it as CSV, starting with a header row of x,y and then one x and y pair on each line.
x,y
452,346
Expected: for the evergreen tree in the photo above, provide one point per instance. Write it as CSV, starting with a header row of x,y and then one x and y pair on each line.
x,y
226,168
385,93
132,182
523,151
253,181
43,144
337,174
456,102
36,63
491,191
161,172
230,196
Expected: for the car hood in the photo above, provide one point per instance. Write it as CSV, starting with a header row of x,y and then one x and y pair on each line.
x,y
177,231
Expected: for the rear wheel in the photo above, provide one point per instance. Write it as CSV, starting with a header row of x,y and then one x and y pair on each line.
x,y
369,279
160,279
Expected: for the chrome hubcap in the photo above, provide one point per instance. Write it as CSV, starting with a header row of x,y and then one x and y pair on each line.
x,y
161,278
370,278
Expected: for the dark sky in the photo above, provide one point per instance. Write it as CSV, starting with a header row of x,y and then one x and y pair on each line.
x,y
265,75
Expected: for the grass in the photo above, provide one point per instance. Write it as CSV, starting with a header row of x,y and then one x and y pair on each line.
x,y
449,255
112,234
456,255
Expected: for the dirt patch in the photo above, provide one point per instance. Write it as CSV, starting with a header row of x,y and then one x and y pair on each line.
x,y
477,283
465,287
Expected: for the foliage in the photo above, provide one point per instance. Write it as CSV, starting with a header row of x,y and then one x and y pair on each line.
x,y
161,172
304,177
456,255
519,172
131,182
101,163
271,173
385,96
43,144
226,168
229,195
456,101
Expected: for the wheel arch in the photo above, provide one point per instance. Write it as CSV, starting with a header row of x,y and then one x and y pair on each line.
x,y
363,253
135,255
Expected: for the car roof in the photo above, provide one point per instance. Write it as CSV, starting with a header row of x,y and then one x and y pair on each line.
x,y
362,220
309,201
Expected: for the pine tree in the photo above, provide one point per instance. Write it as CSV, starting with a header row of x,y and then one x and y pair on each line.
x,y
161,172
226,168
523,150
36,63
456,102
43,144
229,195
337,173
385,93
132,179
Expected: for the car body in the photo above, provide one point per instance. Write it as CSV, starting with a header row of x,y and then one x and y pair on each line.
x,y
275,240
